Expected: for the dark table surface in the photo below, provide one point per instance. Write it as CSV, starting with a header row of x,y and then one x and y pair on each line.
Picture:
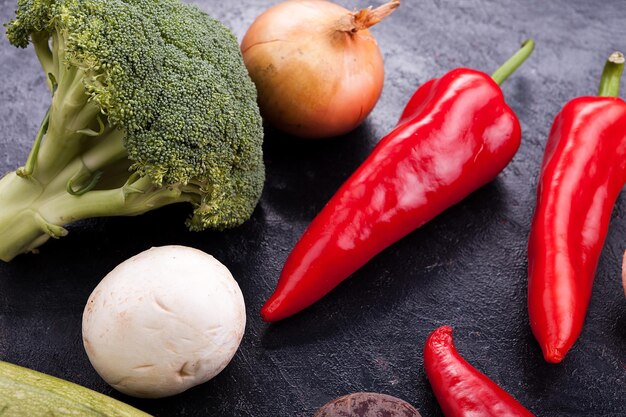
x,y
466,268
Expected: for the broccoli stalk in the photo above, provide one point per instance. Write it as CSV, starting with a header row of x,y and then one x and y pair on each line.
x,y
151,105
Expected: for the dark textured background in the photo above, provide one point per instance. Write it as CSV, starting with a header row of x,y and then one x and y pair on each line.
x,y
466,268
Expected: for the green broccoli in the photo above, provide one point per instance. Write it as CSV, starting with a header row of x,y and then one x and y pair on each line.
x,y
151,105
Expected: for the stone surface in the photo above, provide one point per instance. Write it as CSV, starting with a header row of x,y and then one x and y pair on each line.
x,y
466,268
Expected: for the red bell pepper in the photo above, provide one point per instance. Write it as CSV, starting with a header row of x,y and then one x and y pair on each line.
x,y
454,136
462,390
583,171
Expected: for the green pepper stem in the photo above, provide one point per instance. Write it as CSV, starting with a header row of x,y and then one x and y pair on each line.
x,y
609,83
502,73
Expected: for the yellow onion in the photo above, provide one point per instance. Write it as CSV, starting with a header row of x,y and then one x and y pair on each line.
x,y
318,70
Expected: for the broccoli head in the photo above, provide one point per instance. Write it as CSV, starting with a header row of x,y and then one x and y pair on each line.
x,y
151,105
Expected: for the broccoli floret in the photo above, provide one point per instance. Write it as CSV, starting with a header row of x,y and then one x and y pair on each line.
x,y
151,105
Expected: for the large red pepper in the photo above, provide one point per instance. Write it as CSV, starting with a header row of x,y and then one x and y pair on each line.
x,y
462,390
455,135
583,171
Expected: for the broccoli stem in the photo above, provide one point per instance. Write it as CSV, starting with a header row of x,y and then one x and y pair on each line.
x,y
28,168
57,186
18,225
44,54
33,214
123,201
74,123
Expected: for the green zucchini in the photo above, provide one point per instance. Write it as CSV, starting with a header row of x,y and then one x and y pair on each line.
x,y
28,393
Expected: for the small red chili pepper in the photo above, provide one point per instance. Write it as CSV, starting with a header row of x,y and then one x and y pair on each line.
x,y
454,136
583,171
462,390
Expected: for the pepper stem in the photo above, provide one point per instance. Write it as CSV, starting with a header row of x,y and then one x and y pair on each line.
x,y
365,18
502,73
609,83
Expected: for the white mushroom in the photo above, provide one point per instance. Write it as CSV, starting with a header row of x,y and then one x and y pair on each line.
x,y
163,321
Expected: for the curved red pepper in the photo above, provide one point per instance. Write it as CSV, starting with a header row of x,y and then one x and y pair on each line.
x,y
462,390
455,135
583,171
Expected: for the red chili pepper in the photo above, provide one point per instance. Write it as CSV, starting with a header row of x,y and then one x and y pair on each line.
x,y
583,171
462,390
455,135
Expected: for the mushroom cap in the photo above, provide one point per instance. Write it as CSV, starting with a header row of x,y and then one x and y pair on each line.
x,y
163,321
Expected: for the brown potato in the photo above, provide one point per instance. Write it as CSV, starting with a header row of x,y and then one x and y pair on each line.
x,y
367,404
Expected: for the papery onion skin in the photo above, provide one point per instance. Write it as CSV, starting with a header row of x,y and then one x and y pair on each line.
x,y
315,78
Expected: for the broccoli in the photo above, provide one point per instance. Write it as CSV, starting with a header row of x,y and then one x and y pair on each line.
x,y
151,105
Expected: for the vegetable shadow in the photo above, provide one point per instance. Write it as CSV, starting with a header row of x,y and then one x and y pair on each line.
x,y
303,174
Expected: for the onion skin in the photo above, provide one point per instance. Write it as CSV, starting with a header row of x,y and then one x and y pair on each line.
x,y
315,77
